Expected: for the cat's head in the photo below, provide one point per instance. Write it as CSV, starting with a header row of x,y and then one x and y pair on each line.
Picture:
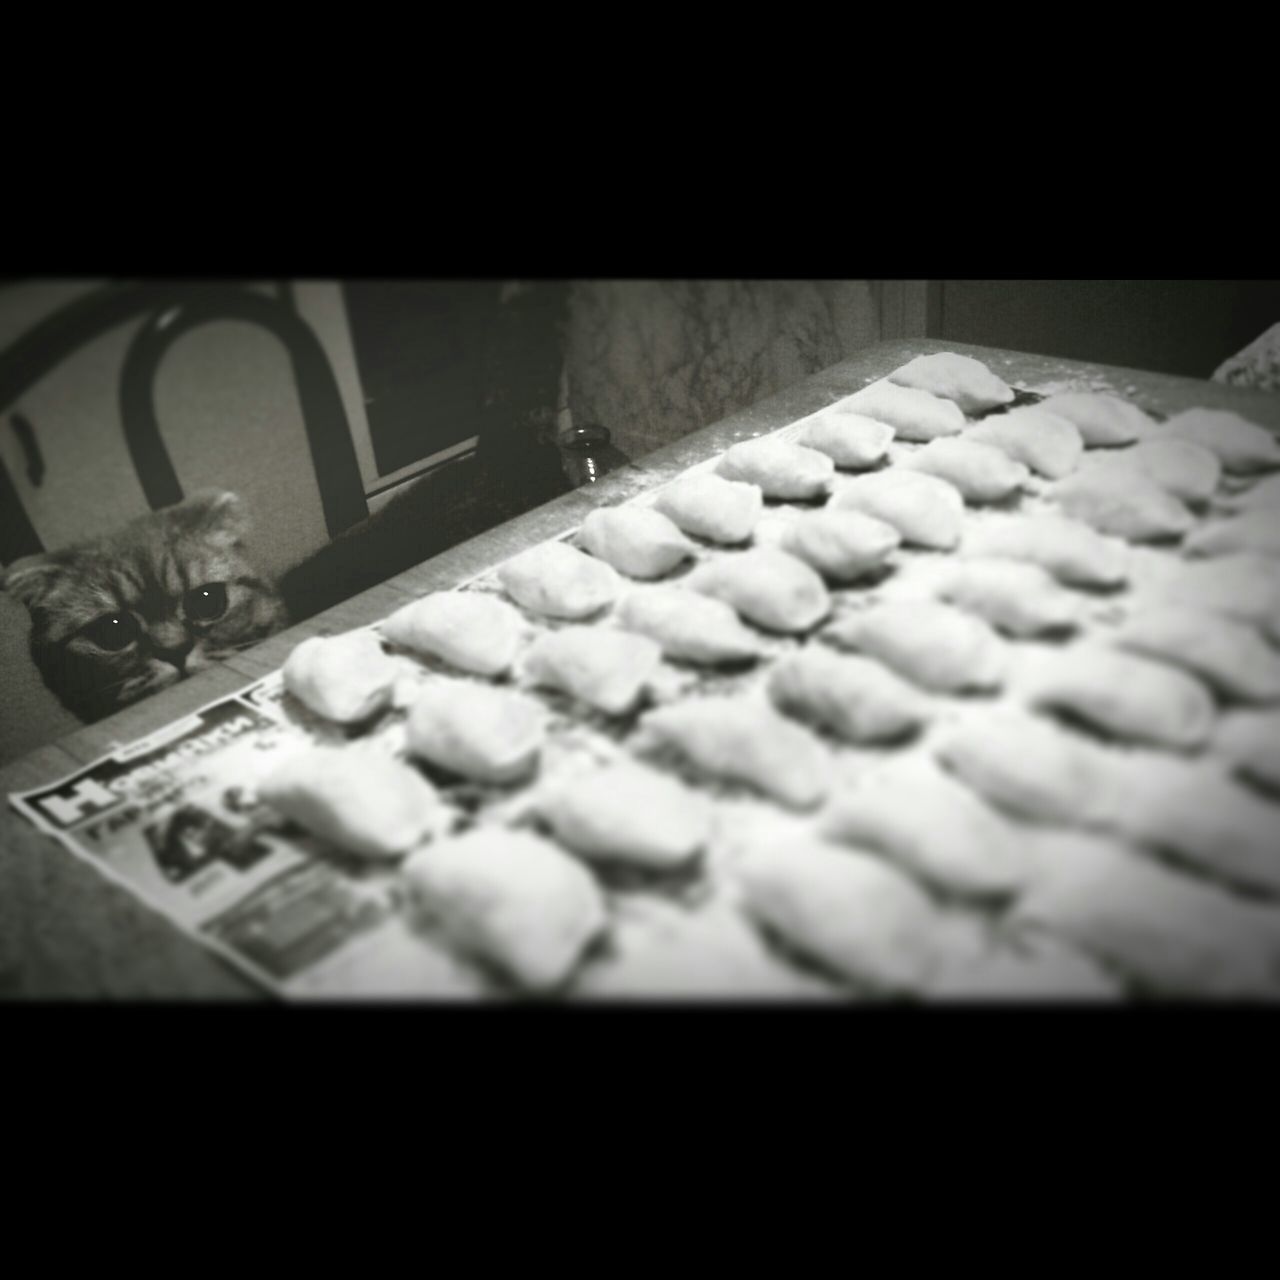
x,y
116,619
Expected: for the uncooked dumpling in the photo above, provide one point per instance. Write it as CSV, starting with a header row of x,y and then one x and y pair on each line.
x,y
854,698
1183,469
637,541
926,511
1032,768
1264,493
1122,693
850,440
1204,818
742,739
981,472
659,950
1252,531
913,813
913,415
935,645
1170,934
1102,420
1049,445
1240,585
1069,550
1250,740
470,631
1230,655
560,581
1243,446
606,669
482,733
1014,596
689,626
853,914
1030,966
766,586
511,899
711,507
952,376
842,545
359,799
1123,504
344,678
627,813
782,470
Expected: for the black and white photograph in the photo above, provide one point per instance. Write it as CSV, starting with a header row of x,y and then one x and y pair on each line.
x,y
619,642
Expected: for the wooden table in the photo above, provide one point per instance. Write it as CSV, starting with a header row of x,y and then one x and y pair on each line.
x,y
66,932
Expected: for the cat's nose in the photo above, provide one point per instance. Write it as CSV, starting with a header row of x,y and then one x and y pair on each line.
x,y
173,649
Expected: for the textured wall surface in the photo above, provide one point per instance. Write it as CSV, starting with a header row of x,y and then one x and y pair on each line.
x,y
653,360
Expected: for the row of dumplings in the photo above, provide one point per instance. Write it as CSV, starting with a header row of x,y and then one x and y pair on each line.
x,y
740,739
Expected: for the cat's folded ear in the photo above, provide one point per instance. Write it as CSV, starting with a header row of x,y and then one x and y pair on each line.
x,y
31,579
219,515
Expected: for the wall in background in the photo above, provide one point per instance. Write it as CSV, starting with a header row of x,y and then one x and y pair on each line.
x,y
655,360
1185,327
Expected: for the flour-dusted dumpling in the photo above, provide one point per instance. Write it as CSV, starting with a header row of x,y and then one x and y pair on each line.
x,y
1204,818
854,698
1071,551
657,949
560,581
711,507
850,440
1170,934
627,813
1014,596
1124,694
789,472
842,545
1230,655
925,510
1183,469
1250,740
962,379
482,733
913,813
361,800
1256,532
1027,965
637,541
1243,446
981,472
1032,768
913,415
608,670
855,915
470,631
935,645
742,739
343,678
766,586
689,626
1049,445
1123,504
510,899
1240,585
1264,493
1103,420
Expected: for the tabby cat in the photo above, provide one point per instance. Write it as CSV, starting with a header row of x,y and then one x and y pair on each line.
x,y
119,618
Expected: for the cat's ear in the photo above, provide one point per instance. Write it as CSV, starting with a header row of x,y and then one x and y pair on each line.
x,y
219,516
32,578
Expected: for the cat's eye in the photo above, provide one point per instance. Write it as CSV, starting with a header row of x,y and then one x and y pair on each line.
x,y
205,603
113,631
